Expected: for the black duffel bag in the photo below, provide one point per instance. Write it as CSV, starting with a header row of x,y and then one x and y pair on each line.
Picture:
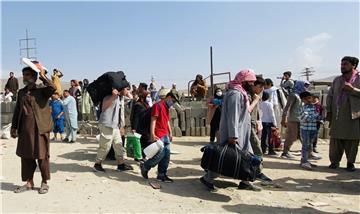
x,y
103,85
230,161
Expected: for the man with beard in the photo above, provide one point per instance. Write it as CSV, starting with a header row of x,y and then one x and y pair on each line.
x,y
235,122
343,107
32,123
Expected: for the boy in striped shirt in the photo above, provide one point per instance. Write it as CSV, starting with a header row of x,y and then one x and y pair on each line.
x,y
308,127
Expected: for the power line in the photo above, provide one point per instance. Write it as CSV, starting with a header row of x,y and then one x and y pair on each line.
x,y
307,72
27,45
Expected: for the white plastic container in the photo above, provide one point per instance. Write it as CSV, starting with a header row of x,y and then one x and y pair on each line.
x,y
151,150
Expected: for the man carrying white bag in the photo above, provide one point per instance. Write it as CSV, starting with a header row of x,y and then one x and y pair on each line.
x,y
161,138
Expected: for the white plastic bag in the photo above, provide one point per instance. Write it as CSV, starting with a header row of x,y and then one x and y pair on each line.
x,y
5,132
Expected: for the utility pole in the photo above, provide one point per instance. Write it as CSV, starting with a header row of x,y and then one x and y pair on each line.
x,y
307,72
212,71
27,45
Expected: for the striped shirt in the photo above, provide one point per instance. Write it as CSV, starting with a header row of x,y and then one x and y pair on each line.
x,y
309,117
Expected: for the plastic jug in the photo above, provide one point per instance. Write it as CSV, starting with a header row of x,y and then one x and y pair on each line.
x,y
151,150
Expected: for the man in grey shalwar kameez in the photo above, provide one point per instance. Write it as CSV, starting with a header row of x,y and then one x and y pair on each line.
x,y
235,124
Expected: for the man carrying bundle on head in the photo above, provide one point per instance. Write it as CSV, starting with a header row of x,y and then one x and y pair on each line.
x,y
109,121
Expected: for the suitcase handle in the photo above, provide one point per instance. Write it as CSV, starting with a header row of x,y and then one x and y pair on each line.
x,y
222,156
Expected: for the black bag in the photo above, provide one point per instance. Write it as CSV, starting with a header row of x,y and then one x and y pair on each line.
x,y
103,86
230,161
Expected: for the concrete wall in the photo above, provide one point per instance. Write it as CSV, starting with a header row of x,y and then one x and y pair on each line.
x,y
7,111
189,119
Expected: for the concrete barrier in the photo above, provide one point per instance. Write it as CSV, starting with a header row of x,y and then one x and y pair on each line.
x,y
189,120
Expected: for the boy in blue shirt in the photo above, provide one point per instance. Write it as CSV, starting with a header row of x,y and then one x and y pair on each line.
x,y
308,127
57,114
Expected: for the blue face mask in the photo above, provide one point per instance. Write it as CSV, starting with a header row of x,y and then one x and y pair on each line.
x,y
169,103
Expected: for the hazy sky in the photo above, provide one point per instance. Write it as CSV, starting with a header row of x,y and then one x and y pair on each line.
x,y
171,40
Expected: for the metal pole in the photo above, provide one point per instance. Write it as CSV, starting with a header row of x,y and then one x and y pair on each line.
x,y
27,44
212,71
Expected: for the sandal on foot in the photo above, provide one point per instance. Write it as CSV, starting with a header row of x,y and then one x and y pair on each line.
x,y
44,188
23,189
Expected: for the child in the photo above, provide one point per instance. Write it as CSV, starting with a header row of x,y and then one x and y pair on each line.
x,y
320,111
308,127
57,113
268,122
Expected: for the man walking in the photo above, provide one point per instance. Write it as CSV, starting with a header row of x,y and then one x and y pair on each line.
x,y
235,123
160,129
290,118
110,132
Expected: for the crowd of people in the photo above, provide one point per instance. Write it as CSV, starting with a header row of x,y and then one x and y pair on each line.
x,y
248,113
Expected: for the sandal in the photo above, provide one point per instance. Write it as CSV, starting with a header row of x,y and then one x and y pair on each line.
x,y
24,188
44,188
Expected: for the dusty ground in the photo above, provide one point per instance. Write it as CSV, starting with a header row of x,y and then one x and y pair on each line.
x,y
320,191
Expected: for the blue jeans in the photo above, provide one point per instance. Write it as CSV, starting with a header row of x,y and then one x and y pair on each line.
x,y
161,159
307,139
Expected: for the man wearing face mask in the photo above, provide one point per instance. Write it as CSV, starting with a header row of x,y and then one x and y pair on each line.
x,y
160,129
32,123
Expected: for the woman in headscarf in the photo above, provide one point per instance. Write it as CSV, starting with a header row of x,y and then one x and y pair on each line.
x,y
235,122
86,102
